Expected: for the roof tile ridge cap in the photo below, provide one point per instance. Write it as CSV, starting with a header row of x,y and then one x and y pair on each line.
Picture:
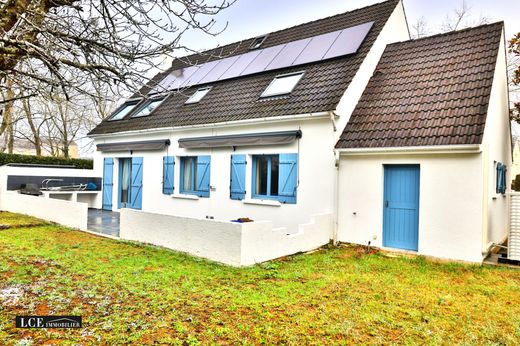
x,y
449,33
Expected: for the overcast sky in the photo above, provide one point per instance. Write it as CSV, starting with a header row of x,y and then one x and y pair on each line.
x,y
249,18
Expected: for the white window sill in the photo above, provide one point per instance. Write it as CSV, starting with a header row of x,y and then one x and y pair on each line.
x,y
185,196
268,202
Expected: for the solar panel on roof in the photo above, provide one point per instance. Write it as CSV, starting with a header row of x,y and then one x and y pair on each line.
x,y
263,59
219,70
183,75
317,48
163,84
349,40
200,73
243,61
288,54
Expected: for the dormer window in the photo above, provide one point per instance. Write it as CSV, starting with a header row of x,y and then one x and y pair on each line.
x,y
124,110
149,106
257,42
282,84
198,95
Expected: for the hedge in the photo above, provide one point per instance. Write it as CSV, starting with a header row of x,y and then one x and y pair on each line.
x,y
45,160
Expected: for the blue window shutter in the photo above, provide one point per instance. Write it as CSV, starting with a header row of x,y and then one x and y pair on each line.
x,y
237,188
108,182
504,173
203,175
499,178
288,178
168,164
136,191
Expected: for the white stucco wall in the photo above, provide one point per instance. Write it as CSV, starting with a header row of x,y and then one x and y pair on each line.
x,y
315,164
450,206
71,214
497,148
223,241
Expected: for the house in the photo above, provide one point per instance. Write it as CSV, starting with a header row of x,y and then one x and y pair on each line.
x,y
424,156
278,127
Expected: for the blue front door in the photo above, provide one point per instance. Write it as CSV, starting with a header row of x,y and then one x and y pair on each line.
x,y
401,207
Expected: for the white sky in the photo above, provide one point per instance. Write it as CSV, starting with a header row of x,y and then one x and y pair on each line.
x,y
250,18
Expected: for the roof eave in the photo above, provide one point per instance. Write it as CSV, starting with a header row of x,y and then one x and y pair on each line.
x,y
254,121
433,149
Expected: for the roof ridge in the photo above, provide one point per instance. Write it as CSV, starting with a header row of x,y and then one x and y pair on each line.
x,y
449,33
208,51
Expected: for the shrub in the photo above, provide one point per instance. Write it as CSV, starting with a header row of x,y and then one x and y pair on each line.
x,y
515,186
45,160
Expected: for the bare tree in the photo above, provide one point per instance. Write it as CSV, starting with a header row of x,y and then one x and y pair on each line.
x,y
35,130
68,44
458,18
55,53
420,28
462,17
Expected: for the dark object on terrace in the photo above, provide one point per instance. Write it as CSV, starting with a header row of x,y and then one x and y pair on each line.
x,y
30,189
242,220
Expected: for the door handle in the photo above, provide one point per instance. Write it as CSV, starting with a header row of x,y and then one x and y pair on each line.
x,y
386,204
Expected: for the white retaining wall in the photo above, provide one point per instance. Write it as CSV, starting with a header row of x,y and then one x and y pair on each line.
x,y
71,214
513,243
222,241
94,199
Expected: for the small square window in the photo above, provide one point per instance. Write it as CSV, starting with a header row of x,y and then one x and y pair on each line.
x,y
198,95
282,85
124,110
148,107
257,42
266,172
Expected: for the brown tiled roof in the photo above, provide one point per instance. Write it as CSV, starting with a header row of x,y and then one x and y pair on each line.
x,y
429,91
319,90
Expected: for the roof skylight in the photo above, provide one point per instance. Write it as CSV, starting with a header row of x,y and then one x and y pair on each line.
x,y
257,42
148,107
124,110
282,84
198,95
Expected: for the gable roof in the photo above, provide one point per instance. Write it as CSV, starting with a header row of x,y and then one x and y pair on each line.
x,y
429,91
319,90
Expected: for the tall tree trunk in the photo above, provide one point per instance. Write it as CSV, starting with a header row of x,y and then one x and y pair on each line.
x,y
64,131
34,130
10,143
7,116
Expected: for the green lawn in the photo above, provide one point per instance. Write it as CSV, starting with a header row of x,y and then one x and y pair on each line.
x,y
133,294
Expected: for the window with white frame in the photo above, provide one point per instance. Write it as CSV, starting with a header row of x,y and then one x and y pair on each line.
x,y
148,107
198,95
124,110
282,85
257,42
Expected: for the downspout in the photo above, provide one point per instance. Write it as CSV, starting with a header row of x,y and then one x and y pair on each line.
x,y
336,198
335,202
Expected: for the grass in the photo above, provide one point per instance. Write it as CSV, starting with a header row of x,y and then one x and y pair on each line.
x,y
136,294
